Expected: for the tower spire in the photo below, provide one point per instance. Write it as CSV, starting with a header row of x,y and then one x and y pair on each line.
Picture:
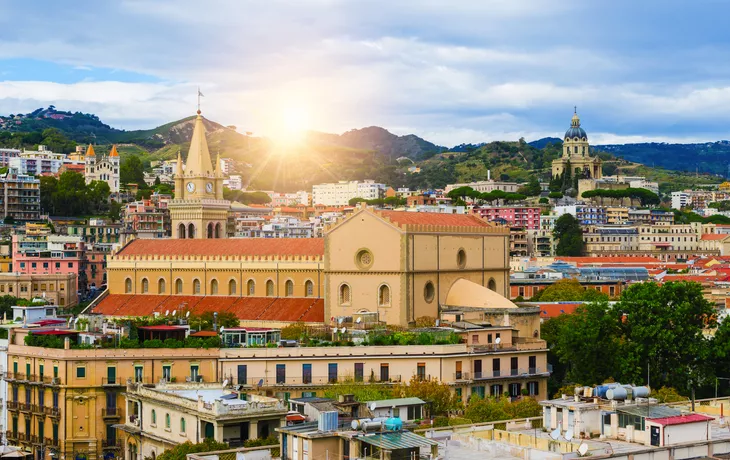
x,y
199,96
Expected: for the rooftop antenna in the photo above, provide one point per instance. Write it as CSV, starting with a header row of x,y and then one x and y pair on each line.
x,y
199,96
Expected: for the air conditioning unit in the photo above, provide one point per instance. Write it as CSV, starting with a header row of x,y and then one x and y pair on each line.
x,y
136,422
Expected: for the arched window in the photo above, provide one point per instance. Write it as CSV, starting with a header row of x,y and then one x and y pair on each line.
x,y
178,286
191,231
210,230
154,417
154,455
232,287
429,292
309,288
461,258
251,287
128,286
182,425
269,288
181,231
289,288
492,284
145,286
161,286
345,294
214,287
167,420
384,296
196,286
218,230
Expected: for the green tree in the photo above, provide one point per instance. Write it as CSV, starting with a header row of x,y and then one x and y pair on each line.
x,y
98,195
441,399
131,171
48,188
70,198
356,200
115,211
532,188
569,290
663,327
569,235
180,451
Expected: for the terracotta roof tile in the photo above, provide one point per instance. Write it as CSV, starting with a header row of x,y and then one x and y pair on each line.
x,y
233,247
432,218
111,303
714,236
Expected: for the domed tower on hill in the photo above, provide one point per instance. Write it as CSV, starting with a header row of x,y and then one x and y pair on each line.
x,y
104,168
576,152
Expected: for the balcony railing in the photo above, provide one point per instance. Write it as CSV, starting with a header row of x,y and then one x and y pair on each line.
x,y
518,373
111,412
15,376
111,382
11,435
111,444
25,407
36,409
52,411
313,380
13,405
51,442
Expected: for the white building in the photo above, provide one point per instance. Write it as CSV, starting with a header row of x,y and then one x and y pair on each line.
x,y
38,162
340,193
680,200
486,186
6,155
233,182
279,227
226,166
105,168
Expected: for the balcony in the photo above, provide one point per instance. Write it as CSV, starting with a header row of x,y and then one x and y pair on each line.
x,y
310,380
36,409
50,442
111,412
24,407
54,412
11,435
13,405
512,374
12,376
107,382
113,444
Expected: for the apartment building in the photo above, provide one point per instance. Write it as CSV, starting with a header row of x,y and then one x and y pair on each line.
x,y
48,254
67,401
617,215
6,155
147,219
584,213
527,217
20,196
161,417
38,163
340,193
58,289
650,216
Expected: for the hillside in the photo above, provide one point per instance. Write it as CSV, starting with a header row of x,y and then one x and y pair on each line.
x,y
367,153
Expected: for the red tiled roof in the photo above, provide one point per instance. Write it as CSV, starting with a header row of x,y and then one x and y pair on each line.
x,y
221,247
680,419
162,327
714,236
245,308
55,332
204,334
432,218
612,260
551,310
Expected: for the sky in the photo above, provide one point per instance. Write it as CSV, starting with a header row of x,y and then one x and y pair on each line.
x,y
451,71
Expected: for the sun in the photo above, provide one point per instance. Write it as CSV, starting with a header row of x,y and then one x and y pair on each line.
x,y
291,125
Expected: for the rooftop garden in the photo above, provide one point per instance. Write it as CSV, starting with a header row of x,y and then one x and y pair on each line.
x,y
309,336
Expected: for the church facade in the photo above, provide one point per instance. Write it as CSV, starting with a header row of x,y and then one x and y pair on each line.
x,y
103,168
576,154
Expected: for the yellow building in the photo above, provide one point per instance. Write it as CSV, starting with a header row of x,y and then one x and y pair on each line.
x,y
576,153
66,401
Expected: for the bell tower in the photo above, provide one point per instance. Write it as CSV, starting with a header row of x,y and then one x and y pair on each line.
x,y
198,209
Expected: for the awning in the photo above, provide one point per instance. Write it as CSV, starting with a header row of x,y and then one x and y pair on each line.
x,y
397,440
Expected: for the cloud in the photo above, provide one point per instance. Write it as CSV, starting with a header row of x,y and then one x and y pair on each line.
x,y
452,72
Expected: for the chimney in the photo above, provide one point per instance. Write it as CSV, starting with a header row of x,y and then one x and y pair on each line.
x,y
489,174
67,343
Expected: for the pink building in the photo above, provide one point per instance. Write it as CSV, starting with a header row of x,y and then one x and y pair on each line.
x,y
50,254
515,216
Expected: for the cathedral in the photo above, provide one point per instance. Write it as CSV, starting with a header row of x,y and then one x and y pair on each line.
x,y
576,153
199,210
105,169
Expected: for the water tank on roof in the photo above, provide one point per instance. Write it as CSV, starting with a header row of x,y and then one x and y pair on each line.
x,y
394,424
327,421
641,392
617,393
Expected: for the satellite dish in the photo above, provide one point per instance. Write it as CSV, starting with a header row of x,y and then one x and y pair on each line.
x,y
222,329
569,435
344,329
340,320
373,406
555,434
583,448
358,320
498,340
225,383
187,313
167,312
174,312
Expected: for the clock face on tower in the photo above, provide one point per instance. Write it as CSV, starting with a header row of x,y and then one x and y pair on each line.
x,y
209,187
191,187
